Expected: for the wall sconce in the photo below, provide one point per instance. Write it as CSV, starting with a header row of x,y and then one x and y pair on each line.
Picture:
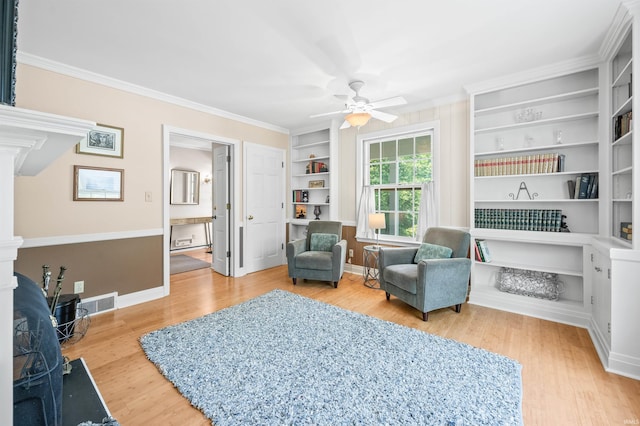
x,y
207,179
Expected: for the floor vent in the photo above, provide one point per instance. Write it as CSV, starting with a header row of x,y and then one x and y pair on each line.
x,y
99,304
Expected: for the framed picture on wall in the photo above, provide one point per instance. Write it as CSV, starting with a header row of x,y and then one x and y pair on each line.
x,y
103,140
97,184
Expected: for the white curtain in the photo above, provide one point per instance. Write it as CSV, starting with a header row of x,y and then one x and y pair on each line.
x,y
428,213
366,205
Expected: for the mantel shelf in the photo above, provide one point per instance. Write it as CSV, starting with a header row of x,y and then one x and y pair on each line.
x,y
40,138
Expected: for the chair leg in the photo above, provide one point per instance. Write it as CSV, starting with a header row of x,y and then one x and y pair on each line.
x,y
335,284
388,295
458,307
425,316
295,281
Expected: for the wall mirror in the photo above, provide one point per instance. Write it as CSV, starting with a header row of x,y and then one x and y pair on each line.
x,y
185,187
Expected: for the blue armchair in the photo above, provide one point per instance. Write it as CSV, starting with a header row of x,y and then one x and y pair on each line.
x,y
320,256
438,280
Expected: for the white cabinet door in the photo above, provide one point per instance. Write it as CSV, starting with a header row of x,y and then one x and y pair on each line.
x,y
601,297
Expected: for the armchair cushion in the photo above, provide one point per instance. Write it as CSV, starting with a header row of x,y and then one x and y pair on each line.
x,y
317,260
322,242
432,251
404,276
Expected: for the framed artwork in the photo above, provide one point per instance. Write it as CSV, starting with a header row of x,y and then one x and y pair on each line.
x,y
97,184
103,140
316,184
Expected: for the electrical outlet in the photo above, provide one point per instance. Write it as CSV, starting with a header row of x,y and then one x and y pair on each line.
x,y
78,287
350,252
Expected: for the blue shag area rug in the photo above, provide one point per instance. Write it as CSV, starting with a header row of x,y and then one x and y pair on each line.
x,y
284,359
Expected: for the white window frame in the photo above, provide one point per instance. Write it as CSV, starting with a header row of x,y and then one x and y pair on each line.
x,y
397,132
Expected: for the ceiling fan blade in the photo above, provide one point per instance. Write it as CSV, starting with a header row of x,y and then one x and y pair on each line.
x,y
325,114
345,125
398,100
383,116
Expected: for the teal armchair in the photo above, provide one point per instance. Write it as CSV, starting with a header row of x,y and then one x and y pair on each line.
x,y
320,256
432,283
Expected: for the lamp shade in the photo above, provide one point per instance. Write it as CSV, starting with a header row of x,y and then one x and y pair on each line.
x,y
357,119
377,221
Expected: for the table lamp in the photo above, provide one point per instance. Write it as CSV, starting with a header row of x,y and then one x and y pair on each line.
x,y
377,222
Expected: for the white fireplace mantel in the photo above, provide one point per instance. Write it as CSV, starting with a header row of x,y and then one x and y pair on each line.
x,y
29,142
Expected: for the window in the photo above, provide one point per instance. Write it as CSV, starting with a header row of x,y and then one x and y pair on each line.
x,y
395,165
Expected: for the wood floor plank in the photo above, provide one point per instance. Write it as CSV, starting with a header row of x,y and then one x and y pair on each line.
x,y
563,380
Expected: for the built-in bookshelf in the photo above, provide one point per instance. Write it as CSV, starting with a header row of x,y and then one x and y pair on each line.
x,y
622,146
535,199
313,179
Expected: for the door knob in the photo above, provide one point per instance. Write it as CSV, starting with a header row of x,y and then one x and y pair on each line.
x,y
250,217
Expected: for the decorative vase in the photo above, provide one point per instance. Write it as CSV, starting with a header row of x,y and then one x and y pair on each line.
x,y
317,212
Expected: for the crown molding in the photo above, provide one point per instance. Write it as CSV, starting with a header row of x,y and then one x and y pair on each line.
x,y
619,26
68,70
547,71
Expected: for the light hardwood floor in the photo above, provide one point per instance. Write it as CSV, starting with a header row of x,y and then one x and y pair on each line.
x,y
563,379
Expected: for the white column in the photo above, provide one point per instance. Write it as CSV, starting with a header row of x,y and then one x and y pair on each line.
x,y
8,253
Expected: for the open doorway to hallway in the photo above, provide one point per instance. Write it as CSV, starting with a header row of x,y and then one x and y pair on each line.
x,y
198,223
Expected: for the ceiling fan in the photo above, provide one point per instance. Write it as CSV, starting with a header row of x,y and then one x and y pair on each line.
x,y
359,110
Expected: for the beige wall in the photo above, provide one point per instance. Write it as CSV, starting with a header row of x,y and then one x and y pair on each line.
x,y
453,161
43,204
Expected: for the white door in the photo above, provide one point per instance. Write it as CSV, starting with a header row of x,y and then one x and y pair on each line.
x,y
220,259
264,206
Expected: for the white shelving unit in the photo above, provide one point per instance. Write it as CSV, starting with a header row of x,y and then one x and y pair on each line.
x,y
313,174
615,260
521,122
622,152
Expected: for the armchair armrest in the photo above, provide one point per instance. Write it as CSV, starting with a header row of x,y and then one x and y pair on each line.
x,y
296,247
443,282
338,256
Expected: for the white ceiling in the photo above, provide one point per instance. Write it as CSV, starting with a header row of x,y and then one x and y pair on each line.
x,y
280,61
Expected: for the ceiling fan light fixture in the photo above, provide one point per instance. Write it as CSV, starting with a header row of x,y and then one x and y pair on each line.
x,y
357,119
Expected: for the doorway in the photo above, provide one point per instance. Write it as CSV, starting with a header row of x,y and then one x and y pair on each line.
x,y
221,196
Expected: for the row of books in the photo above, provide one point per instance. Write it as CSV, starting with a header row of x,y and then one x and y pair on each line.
x,y
622,125
547,220
551,162
316,167
482,251
300,196
584,186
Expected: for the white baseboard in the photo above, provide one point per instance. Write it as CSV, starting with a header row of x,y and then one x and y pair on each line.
x,y
138,297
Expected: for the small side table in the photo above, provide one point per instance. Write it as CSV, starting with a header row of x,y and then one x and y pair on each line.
x,y
370,265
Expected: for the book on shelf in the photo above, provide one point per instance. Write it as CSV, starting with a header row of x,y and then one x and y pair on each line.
x,y
571,185
626,231
622,125
586,186
561,162
477,252
483,249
